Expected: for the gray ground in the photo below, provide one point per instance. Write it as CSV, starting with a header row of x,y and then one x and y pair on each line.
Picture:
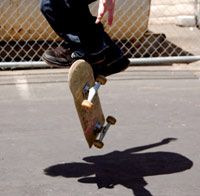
x,y
152,150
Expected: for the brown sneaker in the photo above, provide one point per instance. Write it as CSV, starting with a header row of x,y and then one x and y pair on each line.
x,y
107,61
58,56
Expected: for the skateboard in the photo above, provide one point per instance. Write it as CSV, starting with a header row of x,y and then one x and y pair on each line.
x,y
84,88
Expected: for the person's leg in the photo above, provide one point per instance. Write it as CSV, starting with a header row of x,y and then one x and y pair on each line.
x,y
72,20
59,17
115,61
58,13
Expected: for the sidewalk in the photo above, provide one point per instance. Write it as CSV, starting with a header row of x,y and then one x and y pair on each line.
x,y
176,71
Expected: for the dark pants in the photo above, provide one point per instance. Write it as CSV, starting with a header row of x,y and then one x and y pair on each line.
x,y
72,20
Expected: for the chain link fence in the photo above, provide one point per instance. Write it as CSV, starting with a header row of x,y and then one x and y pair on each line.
x,y
143,29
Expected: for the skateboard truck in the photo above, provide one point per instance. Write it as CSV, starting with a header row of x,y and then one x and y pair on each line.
x,y
99,142
100,80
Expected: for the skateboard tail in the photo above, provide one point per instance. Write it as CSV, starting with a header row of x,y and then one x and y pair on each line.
x,y
90,133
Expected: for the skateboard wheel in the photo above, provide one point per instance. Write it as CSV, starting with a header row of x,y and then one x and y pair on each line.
x,y
87,104
111,120
101,79
98,144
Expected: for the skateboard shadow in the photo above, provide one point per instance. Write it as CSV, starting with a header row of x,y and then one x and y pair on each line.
x,y
127,168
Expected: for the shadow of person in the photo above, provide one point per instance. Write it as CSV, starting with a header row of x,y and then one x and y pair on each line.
x,y
127,168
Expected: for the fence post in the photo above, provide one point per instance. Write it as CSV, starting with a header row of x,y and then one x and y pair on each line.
x,y
197,14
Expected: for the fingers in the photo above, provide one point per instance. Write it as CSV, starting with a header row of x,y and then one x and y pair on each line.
x,y
110,16
100,15
106,6
101,10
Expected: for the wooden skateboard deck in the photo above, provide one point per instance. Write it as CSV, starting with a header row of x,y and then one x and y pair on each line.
x,y
80,75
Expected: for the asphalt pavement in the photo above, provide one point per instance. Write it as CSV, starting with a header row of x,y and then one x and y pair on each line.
x,y
153,150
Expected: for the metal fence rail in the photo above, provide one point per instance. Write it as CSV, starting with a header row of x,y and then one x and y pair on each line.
x,y
143,29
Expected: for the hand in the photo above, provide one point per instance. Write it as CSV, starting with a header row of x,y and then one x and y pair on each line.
x,y
106,6
167,140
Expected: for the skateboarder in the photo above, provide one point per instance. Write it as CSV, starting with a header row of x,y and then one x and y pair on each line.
x,y
83,34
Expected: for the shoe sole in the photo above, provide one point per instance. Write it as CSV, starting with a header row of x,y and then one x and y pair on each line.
x,y
50,62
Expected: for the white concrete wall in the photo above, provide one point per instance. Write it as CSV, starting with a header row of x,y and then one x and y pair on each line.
x,y
180,12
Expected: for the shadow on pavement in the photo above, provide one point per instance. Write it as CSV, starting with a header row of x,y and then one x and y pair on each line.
x,y
127,168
